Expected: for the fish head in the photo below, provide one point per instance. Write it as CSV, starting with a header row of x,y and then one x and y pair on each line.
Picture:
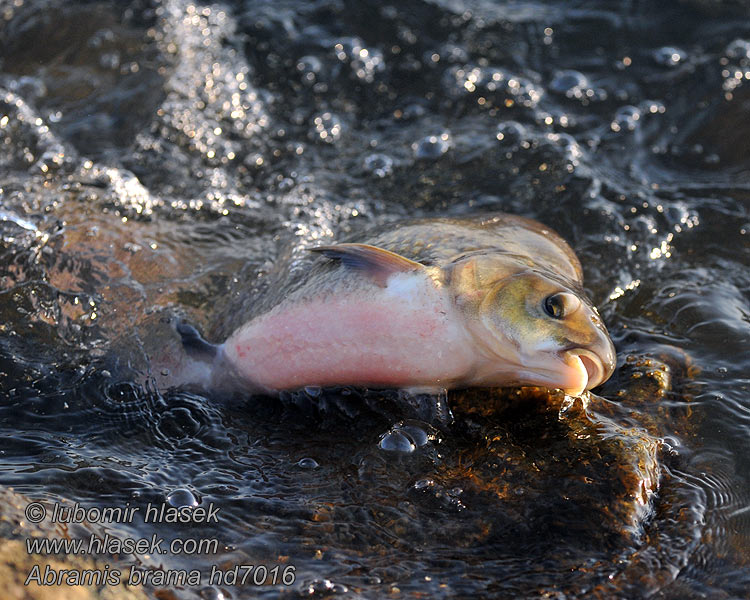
x,y
547,330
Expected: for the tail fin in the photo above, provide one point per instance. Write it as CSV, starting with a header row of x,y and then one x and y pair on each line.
x,y
195,346
177,354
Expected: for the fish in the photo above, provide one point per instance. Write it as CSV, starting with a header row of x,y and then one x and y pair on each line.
x,y
424,305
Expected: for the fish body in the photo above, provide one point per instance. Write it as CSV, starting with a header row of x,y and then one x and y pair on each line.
x,y
407,333
429,304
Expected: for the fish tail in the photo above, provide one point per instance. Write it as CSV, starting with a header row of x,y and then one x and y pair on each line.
x,y
194,344
206,364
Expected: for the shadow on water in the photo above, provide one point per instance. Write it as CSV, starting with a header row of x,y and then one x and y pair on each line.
x,y
160,157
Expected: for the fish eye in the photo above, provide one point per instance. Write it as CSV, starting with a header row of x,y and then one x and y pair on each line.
x,y
553,306
560,305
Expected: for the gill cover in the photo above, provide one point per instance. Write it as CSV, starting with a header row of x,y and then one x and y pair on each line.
x,y
546,328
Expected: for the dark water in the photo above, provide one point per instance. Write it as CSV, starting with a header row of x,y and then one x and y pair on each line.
x,y
157,159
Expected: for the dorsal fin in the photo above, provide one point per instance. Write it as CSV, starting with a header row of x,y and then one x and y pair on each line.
x,y
377,263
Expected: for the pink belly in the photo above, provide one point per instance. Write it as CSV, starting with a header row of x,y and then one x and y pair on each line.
x,y
353,340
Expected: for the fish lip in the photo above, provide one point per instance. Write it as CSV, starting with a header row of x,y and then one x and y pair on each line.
x,y
592,363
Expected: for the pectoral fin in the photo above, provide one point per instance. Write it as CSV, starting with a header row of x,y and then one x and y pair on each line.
x,y
377,263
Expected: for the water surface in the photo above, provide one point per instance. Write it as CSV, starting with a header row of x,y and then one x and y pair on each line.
x,y
158,157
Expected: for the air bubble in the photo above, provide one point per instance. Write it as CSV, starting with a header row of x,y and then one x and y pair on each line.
x,y
181,497
423,484
404,438
308,463
210,593
309,67
380,165
669,56
325,587
571,149
413,111
492,87
572,84
626,119
327,128
652,107
511,135
738,49
397,441
365,63
417,435
30,88
432,147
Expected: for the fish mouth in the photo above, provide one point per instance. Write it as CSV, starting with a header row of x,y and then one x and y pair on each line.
x,y
588,370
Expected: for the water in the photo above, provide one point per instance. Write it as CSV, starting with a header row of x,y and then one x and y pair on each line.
x,y
159,157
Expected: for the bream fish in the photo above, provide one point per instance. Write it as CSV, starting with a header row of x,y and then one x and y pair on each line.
x,y
427,305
